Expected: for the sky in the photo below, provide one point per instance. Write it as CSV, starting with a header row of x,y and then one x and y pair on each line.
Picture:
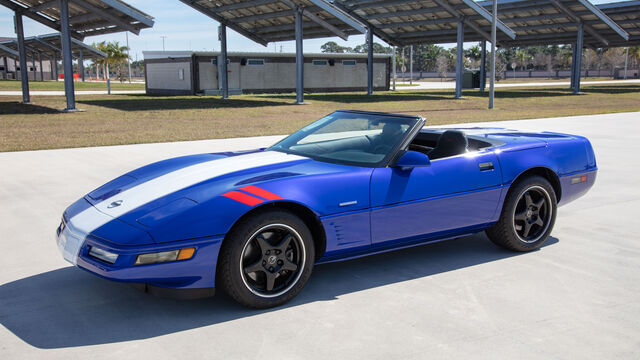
x,y
184,29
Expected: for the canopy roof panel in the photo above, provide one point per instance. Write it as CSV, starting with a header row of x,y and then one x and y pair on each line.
x,y
425,21
51,43
266,21
627,15
86,17
8,52
547,22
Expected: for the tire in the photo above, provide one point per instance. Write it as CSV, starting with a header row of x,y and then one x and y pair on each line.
x,y
527,217
266,259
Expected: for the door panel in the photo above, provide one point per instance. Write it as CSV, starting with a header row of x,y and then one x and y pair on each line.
x,y
452,193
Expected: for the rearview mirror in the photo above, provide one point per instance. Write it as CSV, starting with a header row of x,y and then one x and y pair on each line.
x,y
411,159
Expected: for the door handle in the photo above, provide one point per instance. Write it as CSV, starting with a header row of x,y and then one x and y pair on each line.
x,y
485,166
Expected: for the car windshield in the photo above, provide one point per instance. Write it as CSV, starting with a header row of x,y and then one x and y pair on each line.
x,y
352,138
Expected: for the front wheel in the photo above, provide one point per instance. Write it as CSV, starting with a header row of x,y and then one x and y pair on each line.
x,y
527,217
266,260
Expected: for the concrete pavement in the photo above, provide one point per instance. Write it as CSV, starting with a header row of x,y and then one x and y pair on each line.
x,y
576,298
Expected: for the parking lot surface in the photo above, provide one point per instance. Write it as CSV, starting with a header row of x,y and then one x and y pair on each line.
x,y
578,297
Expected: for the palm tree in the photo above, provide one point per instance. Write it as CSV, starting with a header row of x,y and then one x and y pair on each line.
x,y
116,56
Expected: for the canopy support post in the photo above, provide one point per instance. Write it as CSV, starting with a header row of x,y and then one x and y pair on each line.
x,y
459,59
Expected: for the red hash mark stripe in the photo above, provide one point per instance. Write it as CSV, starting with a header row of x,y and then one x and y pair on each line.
x,y
254,190
243,198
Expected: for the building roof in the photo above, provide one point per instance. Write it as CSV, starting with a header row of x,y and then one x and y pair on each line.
x,y
181,54
86,17
425,21
547,22
51,43
266,21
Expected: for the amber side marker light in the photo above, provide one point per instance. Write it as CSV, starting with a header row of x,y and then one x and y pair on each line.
x,y
165,256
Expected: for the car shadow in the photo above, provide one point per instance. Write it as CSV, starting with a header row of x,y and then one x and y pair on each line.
x,y
69,307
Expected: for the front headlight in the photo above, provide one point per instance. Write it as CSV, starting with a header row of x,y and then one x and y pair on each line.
x,y
103,255
165,256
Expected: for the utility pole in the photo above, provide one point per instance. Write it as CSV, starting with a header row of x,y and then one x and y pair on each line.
x,y
128,57
163,37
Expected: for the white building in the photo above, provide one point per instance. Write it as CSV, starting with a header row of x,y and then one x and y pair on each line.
x,y
188,73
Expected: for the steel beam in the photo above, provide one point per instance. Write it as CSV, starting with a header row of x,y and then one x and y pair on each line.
x,y
41,68
573,66
579,46
483,65
81,65
299,58
492,81
575,17
460,59
41,19
370,62
5,74
67,59
222,34
103,14
393,64
24,76
313,17
33,65
240,30
55,65
411,65
44,6
339,14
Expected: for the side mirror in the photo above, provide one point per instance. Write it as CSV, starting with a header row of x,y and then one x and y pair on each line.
x,y
411,159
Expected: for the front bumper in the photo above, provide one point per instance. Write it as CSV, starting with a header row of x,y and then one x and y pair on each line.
x,y
194,273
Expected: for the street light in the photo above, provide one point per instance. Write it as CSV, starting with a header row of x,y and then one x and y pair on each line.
x,y
163,37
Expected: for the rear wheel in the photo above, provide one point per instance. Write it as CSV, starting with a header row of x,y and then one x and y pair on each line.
x,y
527,217
266,260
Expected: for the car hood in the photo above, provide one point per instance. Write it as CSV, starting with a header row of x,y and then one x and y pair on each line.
x,y
153,194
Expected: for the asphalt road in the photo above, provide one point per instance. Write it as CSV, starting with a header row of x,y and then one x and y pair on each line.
x,y
576,298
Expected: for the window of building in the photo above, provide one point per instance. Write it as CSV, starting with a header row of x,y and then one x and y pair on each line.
x,y
215,61
348,62
320,62
256,62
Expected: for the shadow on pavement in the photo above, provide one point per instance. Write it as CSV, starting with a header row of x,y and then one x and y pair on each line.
x,y
69,307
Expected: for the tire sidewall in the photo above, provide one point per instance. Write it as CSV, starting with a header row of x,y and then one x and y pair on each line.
x,y
230,269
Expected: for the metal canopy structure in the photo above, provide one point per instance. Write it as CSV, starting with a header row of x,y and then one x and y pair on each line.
x,y
52,43
549,22
425,21
77,19
627,15
86,17
50,46
265,21
428,21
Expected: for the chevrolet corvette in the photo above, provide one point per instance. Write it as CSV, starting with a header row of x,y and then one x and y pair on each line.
x,y
351,184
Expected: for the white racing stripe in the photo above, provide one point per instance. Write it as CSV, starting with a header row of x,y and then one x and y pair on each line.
x,y
90,219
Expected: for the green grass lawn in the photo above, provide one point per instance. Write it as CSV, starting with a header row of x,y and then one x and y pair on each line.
x,y
131,119
59,85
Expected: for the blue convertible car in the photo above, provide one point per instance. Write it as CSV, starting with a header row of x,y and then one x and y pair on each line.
x,y
350,184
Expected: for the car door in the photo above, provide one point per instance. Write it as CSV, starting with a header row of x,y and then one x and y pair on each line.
x,y
452,193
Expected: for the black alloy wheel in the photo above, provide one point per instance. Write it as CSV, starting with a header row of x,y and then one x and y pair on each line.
x,y
271,260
